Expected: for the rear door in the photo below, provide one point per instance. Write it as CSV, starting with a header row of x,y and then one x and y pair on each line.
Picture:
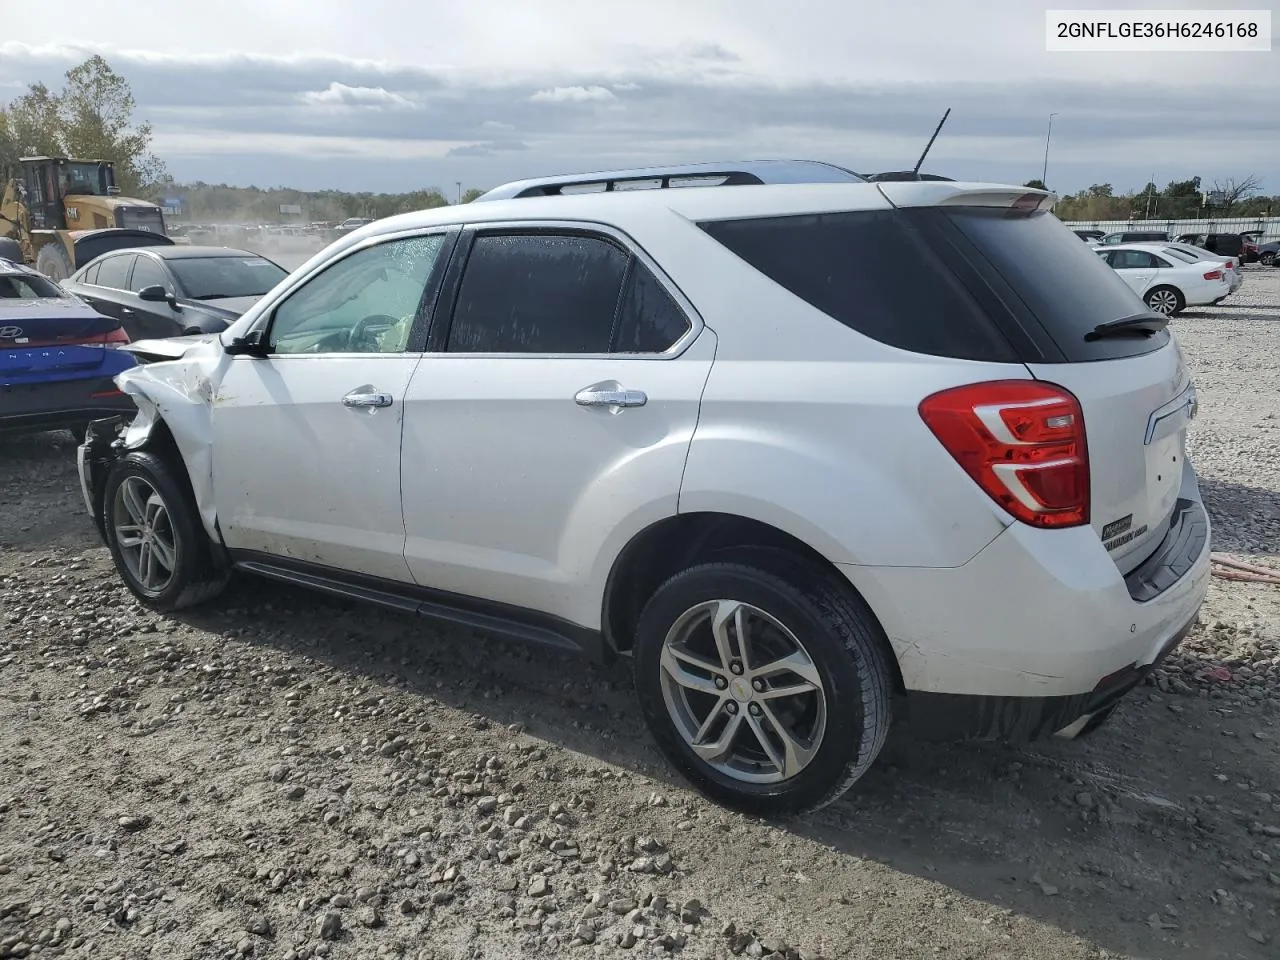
x,y
109,288
552,413
1137,268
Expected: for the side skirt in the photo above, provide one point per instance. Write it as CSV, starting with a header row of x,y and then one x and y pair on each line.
x,y
487,616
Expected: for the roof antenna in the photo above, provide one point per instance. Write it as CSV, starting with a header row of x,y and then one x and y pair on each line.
x,y
916,172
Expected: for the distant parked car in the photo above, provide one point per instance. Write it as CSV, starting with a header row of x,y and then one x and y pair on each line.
x,y
1223,244
1269,253
1136,236
172,291
1235,272
1089,236
57,362
1165,283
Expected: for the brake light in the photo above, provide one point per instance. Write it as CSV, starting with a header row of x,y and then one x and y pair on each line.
x,y
1022,442
1213,275
112,338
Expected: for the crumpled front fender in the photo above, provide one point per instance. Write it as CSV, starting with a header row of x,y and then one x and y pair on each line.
x,y
179,394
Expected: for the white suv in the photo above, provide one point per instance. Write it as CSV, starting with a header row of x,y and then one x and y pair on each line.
x,y
815,455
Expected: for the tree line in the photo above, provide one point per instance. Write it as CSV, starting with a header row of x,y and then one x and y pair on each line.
x,y
91,117
1179,200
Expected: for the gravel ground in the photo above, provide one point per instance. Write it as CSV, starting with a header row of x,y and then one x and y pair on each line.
x,y
283,775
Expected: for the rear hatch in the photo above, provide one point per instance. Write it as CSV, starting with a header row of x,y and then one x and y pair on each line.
x,y
1052,296
52,338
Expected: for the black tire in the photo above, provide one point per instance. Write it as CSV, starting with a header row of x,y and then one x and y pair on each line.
x,y
840,637
1268,259
193,577
1159,300
1098,720
52,261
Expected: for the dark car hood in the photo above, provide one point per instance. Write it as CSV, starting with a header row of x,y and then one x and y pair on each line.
x,y
228,307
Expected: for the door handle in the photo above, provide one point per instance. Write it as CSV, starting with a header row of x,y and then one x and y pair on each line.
x,y
359,398
604,396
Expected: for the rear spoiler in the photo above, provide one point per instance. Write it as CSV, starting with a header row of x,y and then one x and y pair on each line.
x,y
91,244
937,193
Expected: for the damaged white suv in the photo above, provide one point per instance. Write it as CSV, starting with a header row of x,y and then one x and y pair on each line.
x,y
815,455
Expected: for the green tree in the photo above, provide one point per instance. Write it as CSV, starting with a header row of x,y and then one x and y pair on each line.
x,y
90,118
472,194
1035,185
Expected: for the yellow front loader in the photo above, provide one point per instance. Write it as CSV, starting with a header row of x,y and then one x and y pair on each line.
x,y
58,214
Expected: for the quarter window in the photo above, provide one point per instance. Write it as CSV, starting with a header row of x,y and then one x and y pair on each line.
x,y
365,303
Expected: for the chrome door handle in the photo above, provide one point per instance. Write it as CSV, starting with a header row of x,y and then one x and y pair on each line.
x,y
359,399
605,397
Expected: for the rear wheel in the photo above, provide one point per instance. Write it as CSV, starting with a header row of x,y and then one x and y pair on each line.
x,y
53,262
765,683
1165,300
154,534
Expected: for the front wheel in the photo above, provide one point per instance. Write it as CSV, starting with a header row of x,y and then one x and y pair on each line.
x,y
154,535
1165,300
1268,259
765,683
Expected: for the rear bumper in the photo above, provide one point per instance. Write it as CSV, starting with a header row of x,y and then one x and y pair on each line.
x,y
60,403
1041,627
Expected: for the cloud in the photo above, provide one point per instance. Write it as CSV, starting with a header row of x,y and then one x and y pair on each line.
x,y
486,149
341,95
320,120
593,93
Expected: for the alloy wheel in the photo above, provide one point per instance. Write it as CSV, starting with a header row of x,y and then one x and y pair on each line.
x,y
1163,301
144,534
743,692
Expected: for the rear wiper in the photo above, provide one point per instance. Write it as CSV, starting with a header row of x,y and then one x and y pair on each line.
x,y
1144,323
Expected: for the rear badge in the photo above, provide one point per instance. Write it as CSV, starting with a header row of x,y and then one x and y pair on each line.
x,y
1117,527
1117,533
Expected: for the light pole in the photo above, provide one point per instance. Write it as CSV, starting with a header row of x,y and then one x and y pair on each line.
x,y
459,183
1045,173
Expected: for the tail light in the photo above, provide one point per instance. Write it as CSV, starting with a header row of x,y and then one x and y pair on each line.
x,y
1022,442
112,338
1213,275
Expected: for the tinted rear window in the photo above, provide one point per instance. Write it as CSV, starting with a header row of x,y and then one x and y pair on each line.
x,y
1045,276
870,271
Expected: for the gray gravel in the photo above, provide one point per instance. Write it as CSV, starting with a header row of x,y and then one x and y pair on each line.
x,y
282,775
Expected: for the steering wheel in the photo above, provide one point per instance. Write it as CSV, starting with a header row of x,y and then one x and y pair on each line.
x,y
367,330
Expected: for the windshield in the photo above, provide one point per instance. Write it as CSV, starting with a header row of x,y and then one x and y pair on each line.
x,y
18,286
212,278
82,179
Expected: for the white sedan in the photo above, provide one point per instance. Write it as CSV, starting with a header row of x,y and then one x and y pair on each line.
x,y
1233,266
1166,283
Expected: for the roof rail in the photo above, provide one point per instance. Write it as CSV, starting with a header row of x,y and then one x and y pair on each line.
x,y
736,173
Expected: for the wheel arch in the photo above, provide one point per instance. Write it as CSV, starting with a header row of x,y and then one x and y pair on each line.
x,y
669,545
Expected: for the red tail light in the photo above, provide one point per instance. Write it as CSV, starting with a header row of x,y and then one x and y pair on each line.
x,y
112,338
1022,442
1213,275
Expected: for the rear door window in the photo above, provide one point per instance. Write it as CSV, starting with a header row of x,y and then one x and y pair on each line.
x,y
538,293
870,271
113,272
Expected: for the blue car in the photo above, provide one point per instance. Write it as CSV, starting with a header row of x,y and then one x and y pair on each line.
x,y
58,356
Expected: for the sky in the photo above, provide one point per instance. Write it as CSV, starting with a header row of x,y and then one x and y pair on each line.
x,y
382,95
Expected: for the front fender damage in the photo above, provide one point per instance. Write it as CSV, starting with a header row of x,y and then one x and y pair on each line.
x,y
178,394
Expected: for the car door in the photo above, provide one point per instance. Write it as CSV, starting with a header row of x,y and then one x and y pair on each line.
x,y
153,318
306,438
106,292
550,418
1136,267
